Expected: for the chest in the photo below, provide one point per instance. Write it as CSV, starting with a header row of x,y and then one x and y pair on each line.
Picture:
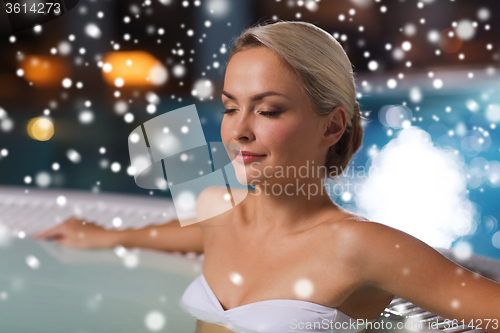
x,y
243,270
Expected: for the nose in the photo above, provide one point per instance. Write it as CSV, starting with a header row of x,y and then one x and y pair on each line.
x,y
240,125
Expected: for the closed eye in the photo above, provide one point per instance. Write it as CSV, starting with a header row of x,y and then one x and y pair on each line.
x,y
228,111
269,113
264,113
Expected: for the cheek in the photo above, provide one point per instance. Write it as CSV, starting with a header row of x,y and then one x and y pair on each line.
x,y
281,139
224,133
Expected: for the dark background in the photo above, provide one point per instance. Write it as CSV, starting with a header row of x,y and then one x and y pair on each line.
x,y
22,101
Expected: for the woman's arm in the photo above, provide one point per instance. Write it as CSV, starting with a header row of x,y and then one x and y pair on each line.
x,y
407,267
168,237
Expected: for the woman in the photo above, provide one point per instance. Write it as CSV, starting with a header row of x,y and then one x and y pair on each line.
x,y
293,256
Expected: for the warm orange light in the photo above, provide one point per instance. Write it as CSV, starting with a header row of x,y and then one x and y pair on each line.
x,y
40,129
133,68
43,70
449,41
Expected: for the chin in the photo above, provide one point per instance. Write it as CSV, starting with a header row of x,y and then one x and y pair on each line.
x,y
247,176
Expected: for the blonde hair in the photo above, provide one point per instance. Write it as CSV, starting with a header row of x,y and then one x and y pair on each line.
x,y
325,71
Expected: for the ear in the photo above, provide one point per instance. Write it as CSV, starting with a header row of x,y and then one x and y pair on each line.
x,y
335,124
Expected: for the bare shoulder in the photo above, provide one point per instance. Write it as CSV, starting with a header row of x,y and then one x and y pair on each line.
x,y
401,264
357,230
359,239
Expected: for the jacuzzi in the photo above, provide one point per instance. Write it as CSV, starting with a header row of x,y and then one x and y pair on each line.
x,y
48,288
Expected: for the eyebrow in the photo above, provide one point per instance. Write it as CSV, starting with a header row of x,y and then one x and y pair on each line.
x,y
256,97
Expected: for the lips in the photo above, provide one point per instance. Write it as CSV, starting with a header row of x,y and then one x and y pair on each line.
x,y
245,156
246,153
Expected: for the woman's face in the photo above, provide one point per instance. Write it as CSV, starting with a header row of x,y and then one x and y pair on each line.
x,y
268,113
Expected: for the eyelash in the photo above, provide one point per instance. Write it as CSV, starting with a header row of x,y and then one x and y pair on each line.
x,y
264,113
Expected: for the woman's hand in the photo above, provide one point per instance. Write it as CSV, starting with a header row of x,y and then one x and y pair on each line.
x,y
81,234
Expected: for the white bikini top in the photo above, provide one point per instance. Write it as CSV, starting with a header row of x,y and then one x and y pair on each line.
x,y
272,316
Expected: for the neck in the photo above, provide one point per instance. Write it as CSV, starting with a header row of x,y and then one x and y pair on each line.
x,y
288,206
